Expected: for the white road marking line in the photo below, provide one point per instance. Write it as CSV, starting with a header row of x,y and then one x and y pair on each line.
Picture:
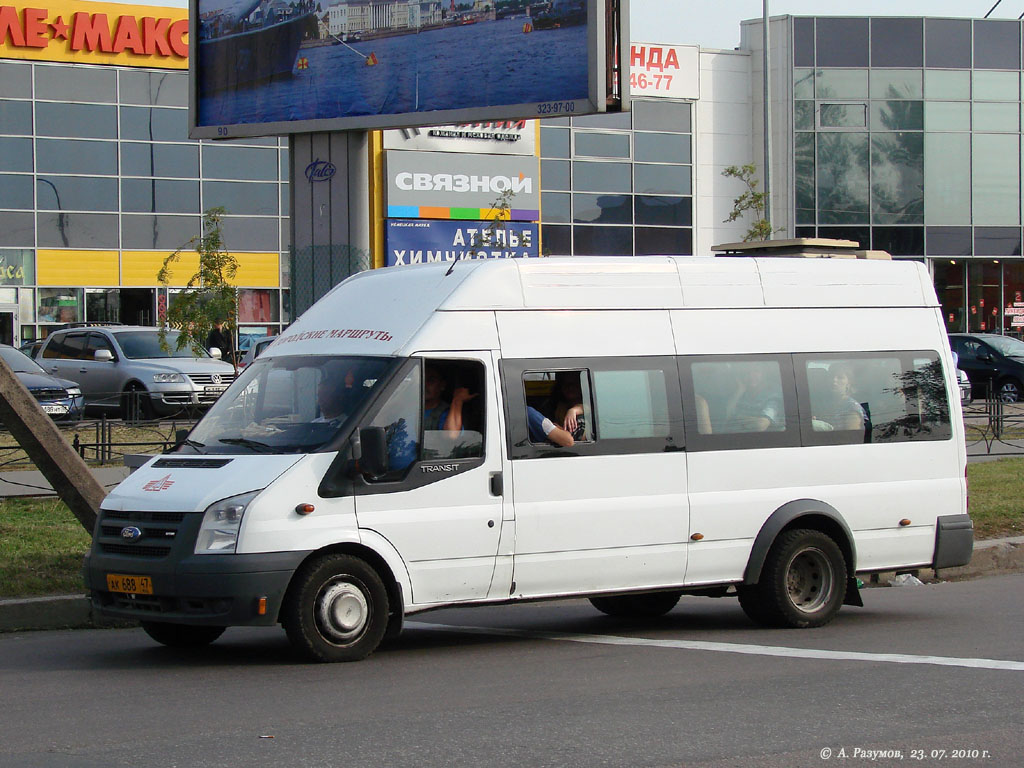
x,y
749,650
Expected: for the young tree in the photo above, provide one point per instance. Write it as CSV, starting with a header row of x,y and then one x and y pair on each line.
x,y
750,200
209,294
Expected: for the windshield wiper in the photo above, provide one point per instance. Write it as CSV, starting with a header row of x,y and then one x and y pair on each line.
x,y
256,445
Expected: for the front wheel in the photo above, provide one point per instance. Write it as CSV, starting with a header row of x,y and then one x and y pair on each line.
x,y
336,609
648,606
1009,390
802,583
181,635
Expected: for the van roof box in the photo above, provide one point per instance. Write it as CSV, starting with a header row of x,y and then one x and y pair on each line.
x,y
800,248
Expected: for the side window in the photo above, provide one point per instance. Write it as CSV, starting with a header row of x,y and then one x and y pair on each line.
x,y
453,409
73,347
96,342
631,404
925,387
54,348
558,407
400,418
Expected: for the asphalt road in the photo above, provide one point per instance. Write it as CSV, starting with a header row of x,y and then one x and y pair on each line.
x,y
928,668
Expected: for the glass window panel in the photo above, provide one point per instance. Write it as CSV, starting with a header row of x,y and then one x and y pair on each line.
x,y
285,200
947,116
616,120
601,177
602,144
842,175
898,241
602,209
997,241
79,121
947,43
242,234
896,83
158,232
803,83
258,306
897,43
859,235
996,44
17,229
76,193
239,163
149,159
841,83
27,305
665,211
632,404
555,207
841,42
897,115
949,278
238,197
62,305
16,117
146,124
556,241
76,156
803,115
162,89
741,395
996,117
983,296
16,192
804,181
996,86
77,230
554,142
995,175
668,116
549,121
15,80
15,154
947,178
652,241
160,196
897,183
603,241
803,42
946,84
662,179
948,241
554,174
76,83
843,116
661,147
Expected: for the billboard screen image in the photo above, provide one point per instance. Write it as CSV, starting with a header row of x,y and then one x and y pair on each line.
x,y
271,66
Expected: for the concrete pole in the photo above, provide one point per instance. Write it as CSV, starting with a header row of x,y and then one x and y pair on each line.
x,y
767,118
49,451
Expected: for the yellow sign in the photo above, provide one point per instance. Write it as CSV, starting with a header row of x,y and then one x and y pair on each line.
x,y
95,33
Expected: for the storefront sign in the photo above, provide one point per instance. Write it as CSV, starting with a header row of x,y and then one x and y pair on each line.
x,y
16,267
441,185
320,170
510,137
670,71
95,33
424,242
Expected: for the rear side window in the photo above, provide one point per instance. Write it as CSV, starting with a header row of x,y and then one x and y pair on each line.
x,y
70,346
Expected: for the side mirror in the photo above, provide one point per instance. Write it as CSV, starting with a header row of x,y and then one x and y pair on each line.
x,y
103,355
373,458
215,353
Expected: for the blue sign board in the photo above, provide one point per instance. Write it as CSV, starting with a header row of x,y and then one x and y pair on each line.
x,y
423,242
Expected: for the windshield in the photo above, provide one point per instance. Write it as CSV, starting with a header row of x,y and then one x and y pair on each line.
x,y
19,362
1007,345
292,404
137,345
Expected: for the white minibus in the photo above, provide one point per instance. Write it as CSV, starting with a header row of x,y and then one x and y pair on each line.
x,y
626,430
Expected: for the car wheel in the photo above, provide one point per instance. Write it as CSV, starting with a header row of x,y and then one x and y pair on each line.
x,y
1008,390
135,404
181,635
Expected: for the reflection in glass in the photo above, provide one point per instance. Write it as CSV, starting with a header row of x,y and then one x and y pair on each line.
x,y
947,178
16,117
603,241
841,84
948,241
841,42
663,240
996,44
897,177
160,196
148,159
947,116
240,197
997,241
949,278
232,162
995,176
60,305
77,230
556,240
803,83
803,115
16,192
601,177
843,116
602,209
897,42
859,235
896,83
983,296
897,115
610,120
803,42
77,121
842,169
661,147
554,174
554,142
162,89
666,116
662,179
76,84
555,206
76,193
76,156
602,144
247,234
16,154
804,181
144,123
17,229
667,211
898,241
947,43
159,232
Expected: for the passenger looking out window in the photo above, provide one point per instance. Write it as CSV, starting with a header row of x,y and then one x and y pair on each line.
x,y
836,408
755,403
543,429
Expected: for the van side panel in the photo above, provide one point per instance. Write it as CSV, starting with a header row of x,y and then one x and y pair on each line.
x,y
590,333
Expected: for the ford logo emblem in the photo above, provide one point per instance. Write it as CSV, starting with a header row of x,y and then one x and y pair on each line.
x,y
320,170
131,533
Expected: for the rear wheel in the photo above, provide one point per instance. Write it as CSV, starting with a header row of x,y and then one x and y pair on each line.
x,y
637,606
181,635
802,583
336,609
1008,390
135,403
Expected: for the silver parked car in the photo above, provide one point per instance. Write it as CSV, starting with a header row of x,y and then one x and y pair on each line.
x,y
124,368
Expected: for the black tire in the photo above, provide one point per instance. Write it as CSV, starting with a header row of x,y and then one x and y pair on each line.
x,y
802,584
336,609
1008,390
649,606
181,635
135,404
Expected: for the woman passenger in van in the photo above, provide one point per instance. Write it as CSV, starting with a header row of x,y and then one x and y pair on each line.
x,y
543,429
841,411
565,405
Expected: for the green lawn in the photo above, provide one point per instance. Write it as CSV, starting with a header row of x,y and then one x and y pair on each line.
x,y
41,542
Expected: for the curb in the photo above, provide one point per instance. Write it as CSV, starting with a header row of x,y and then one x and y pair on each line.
x,y
991,557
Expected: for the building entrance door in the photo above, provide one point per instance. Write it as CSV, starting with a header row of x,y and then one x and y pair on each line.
x,y
9,324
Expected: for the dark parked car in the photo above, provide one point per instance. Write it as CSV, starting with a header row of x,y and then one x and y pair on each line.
x,y
60,398
31,348
993,363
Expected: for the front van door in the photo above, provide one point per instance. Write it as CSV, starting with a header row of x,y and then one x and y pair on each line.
x,y
439,504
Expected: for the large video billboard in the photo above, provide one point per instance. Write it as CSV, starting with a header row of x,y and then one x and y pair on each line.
x,y
262,67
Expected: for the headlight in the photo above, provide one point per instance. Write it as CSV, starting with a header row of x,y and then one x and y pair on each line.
x,y
218,533
74,392
168,378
